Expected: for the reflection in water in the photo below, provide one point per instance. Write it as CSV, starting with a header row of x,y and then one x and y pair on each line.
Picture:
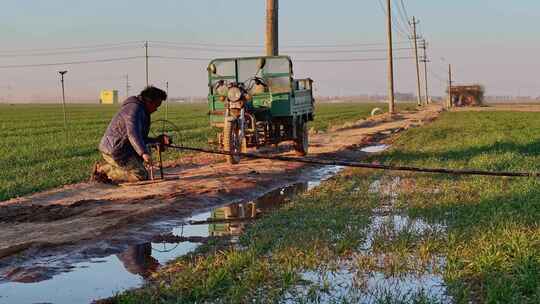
x,y
82,282
238,216
138,260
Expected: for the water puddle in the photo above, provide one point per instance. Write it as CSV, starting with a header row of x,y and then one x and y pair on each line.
x,y
80,277
348,285
372,277
375,149
98,278
376,274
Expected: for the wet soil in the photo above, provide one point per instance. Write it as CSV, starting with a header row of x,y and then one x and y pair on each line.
x,y
92,220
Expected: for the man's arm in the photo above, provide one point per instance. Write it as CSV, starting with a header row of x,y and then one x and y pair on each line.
x,y
134,119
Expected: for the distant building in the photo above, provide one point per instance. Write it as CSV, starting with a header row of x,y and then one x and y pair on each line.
x,y
108,97
467,95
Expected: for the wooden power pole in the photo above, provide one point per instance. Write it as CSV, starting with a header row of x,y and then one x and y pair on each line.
x,y
449,86
127,85
391,97
62,73
425,60
272,28
146,60
415,39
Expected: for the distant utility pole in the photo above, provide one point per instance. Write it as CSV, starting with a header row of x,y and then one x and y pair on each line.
x,y
414,23
167,101
62,73
146,58
449,86
127,85
425,60
272,28
391,97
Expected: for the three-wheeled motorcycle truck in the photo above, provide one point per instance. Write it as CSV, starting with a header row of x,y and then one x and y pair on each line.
x,y
257,102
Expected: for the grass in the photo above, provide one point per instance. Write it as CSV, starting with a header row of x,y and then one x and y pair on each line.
x,y
493,234
305,235
482,235
36,154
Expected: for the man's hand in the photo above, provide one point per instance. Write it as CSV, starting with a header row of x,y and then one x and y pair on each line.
x,y
147,158
164,140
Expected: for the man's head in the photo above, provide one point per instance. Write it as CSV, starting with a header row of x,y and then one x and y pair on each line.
x,y
152,98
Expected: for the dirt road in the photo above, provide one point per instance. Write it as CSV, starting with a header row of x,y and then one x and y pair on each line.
x,y
86,213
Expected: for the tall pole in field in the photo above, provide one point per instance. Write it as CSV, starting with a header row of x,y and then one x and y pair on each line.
x,y
127,85
62,73
449,86
391,98
415,39
146,60
167,101
425,61
272,28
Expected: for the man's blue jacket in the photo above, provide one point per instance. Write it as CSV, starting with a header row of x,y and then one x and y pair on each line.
x,y
127,134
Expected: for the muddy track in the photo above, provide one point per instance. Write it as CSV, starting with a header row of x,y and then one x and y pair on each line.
x,y
86,213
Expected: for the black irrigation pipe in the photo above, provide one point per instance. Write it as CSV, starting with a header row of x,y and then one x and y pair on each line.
x,y
325,162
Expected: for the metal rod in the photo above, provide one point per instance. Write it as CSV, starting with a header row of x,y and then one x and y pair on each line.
x,y
151,171
160,162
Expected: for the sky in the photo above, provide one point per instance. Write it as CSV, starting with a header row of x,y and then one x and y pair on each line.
x,y
491,42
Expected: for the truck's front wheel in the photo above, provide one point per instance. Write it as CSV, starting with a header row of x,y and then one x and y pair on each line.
x,y
232,141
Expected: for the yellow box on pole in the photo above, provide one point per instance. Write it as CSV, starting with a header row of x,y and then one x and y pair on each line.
x,y
108,97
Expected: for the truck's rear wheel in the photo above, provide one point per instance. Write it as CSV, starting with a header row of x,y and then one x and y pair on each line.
x,y
232,142
301,143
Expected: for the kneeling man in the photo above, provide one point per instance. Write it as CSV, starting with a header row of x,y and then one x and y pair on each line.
x,y
124,145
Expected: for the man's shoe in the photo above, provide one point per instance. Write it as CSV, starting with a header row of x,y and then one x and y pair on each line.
x,y
99,177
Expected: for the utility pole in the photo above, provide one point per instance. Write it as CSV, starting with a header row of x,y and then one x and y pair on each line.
x,y
127,85
167,101
146,57
415,39
449,86
425,60
62,73
391,98
272,28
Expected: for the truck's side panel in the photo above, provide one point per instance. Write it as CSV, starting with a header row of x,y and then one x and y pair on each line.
x,y
302,103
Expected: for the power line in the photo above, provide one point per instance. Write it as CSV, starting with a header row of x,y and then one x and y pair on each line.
x,y
402,22
181,58
396,26
297,60
69,62
94,46
300,51
404,10
336,45
351,59
87,51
